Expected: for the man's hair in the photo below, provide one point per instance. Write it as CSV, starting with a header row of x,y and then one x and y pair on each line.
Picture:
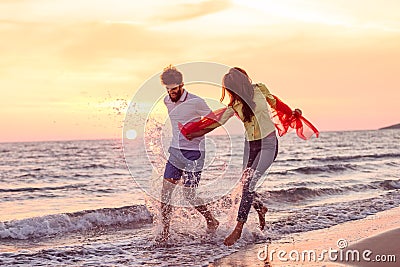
x,y
171,75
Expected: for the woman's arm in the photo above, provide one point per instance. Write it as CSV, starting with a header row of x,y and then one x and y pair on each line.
x,y
210,122
202,132
268,96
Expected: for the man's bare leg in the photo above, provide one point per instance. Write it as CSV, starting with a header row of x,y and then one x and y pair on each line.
x,y
212,223
190,195
166,208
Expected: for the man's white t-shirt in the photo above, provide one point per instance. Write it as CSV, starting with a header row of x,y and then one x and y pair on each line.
x,y
188,108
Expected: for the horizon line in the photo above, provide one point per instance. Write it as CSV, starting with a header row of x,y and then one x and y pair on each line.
x,y
104,139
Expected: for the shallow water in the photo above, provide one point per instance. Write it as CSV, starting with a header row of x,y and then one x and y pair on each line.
x,y
74,203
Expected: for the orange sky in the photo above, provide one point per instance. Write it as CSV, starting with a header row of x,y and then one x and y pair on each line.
x,y
68,69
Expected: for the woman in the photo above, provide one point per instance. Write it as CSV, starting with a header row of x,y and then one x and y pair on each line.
x,y
250,102
261,144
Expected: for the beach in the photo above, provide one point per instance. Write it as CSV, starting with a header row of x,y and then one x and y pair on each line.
x,y
378,233
100,98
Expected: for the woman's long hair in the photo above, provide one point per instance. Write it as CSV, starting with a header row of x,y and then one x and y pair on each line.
x,y
238,85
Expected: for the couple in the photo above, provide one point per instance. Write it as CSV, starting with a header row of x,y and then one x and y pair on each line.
x,y
250,103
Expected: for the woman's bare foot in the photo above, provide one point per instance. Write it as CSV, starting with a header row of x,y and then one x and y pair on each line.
x,y
235,235
261,217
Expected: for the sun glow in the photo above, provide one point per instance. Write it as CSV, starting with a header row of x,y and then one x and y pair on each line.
x,y
295,10
68,70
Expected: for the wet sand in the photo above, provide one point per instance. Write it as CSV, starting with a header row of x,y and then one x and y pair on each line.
x,y
379,250
378,233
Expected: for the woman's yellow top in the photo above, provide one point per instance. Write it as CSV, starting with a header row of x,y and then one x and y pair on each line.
x,y
261,124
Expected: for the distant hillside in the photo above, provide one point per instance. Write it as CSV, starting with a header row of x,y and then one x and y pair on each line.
x,y
395,126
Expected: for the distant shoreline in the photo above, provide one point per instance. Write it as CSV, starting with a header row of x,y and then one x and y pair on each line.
x,y
394,126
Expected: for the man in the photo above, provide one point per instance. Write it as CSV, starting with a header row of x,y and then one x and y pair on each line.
x,y
186,158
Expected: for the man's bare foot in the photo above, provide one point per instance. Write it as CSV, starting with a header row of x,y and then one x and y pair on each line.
x,y
261,217
212,225
233,237
163,237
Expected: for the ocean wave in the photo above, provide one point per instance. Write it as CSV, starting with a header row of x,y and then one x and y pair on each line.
x,y
342,158
389,184
91,166
318,217
46,188
57,224
300,193
278,173
356,157
123,250
330,168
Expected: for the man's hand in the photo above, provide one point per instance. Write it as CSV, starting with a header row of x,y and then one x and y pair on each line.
x,y
190,136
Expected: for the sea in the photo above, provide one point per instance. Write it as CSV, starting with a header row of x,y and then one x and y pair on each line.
x,y
79,203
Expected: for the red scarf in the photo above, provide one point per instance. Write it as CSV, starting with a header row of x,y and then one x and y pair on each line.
x,y
282,116
285,119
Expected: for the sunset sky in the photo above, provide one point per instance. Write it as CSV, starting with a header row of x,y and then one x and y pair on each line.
x,y
68,69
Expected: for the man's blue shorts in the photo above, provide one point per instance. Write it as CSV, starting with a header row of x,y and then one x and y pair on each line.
x,y
186,164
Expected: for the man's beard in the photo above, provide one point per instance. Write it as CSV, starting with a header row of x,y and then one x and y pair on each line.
x,y
175,96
